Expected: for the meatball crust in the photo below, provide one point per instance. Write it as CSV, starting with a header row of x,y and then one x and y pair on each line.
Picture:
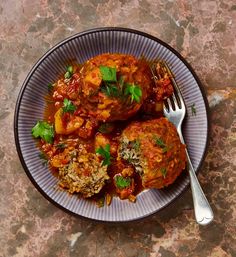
x,y
155,150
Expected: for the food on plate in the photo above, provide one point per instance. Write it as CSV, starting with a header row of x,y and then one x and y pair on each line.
x,y
154,149
82,172
164,87
103,132
114,86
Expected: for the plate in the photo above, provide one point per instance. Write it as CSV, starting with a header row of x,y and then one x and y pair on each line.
x,y
80,47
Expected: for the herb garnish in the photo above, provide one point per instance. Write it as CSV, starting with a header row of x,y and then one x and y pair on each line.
x,y
43,130
106,128
159,142
108,74
163,172
113,88
105,153
110,90
61,146
134,91
100,201
44,158
50,87
193,109
109,87
68,106
122,182
69,72
165,149
121,82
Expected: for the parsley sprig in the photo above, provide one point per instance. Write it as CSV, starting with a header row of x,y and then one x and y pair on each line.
x,y
122,182
108,73
44,158
134,91
61,146
110,90
68,106
109,87
50,87
106,128
43,130
164,172
160,142
69,72
193,110
105,153
118,88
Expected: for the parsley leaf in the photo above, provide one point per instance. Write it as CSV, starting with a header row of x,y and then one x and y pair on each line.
x,y
134,91
160,142
193,110
109,86
108,74
121,82
121,182
61,146
106,128
110,90
163,172
165,149
105,153
44,158
69,72
68,106
50,87
43,130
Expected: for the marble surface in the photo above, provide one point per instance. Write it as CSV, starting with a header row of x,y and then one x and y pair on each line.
x,y
204,33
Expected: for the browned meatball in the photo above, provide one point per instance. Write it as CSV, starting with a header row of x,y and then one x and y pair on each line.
x,y
112,100
80,171
155,150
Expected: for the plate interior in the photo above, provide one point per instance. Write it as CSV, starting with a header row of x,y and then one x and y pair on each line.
x,y
80,48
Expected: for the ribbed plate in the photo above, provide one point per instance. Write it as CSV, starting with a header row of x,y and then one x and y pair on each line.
x,y
79,48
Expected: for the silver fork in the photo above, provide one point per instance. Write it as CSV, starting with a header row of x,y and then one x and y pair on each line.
x,y
202,209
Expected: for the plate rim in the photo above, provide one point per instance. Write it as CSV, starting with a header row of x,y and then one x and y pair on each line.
x,y
68,39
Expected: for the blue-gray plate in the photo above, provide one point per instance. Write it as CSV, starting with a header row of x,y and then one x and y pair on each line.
x,y
80,47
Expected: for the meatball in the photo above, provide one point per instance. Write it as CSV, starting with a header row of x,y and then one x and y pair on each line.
x,y
153,147
114,86
83,173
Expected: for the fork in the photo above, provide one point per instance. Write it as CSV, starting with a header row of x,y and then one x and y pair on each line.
x,y
202,209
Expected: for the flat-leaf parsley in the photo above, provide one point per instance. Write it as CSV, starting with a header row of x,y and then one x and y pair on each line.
x,y
134,91
43,130
69,72
160,142
68,106
108,74
105,153
193,110
163,172
122,182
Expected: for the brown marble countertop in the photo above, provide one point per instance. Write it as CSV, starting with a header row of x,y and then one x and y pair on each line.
x,y
204,33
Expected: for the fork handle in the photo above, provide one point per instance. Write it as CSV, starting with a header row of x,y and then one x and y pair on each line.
x,y
202,209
